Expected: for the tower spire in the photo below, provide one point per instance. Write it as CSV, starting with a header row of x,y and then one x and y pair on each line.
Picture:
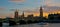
x,y
23,14
16,14
41,12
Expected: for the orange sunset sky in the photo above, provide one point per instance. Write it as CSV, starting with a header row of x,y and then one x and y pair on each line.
x,y
8,7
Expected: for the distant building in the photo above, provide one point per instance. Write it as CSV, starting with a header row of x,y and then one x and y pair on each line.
x,y
22,15
41,12
30,17
16,14
54,16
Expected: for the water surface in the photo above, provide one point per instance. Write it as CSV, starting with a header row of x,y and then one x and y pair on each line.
x,y
35,25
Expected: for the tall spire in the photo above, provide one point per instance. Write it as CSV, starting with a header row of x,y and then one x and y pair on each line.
x,y
23,14
41,12
16,14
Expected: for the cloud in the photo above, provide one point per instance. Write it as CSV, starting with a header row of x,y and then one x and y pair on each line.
x,y
50,9
31,11
2,8
17,1
52,3
46,9
28,9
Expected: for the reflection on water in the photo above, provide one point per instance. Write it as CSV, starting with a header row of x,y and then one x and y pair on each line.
x,y
5,25
27,25
36,25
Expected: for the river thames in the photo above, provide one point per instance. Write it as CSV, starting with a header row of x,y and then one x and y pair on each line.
x,y
34,25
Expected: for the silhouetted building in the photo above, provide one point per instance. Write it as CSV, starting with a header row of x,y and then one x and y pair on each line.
x,y
23,15
20,17
16,14
54,16
41,12
30,17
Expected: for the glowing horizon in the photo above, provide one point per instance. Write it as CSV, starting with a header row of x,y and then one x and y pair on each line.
x,y
34,14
